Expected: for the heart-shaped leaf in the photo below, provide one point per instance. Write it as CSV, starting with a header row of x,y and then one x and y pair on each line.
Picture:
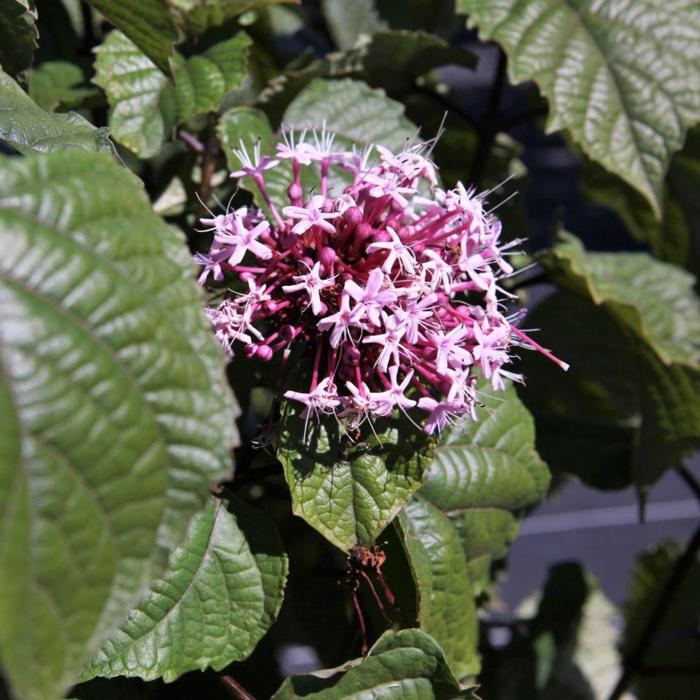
x,y
222,590
350,489
622,76
114,412
631,331
404,664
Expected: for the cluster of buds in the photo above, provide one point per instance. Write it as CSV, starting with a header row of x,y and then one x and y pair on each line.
x,y
391,281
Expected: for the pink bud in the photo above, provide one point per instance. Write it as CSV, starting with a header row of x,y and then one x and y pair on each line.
x,y
352,216
295,192
264,352
288,332
327,256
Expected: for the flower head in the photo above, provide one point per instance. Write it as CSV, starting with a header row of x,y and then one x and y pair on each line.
x,y
373,279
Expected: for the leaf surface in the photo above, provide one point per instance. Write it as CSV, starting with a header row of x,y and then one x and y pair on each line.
x,y
630,328
147,23
18,35
350,490
221,591
144,106
403,664
114,414
28,128
623,76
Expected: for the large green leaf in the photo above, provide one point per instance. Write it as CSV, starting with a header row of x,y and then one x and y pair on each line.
x,y
351,489
354,112
623,76
629,409
404,664
145,106
220,593
28,128
464,517
676,238
18,35
653,299
485,472
147,23
114,414
676,641
199,15
444,590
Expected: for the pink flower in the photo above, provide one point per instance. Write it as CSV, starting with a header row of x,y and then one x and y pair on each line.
x,y
397,251
311,215
390,340
397,304
312,284
395,395
373,298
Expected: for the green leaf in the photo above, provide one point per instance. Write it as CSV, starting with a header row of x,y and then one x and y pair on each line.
x,y
353,111
625,421
199,15
245,124
114,414
58,85
676,238
446,607
145,107
404,664
623,76
484,473
147,23
652,299
350,489
18,35
677,644
28,128
347,21
221,592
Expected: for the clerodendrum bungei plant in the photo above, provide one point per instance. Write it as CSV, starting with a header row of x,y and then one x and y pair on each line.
x,y
283,293
390,281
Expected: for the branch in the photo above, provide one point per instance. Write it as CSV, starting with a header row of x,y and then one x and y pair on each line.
x,y
491,125
235,689
632,664
690,480
448,104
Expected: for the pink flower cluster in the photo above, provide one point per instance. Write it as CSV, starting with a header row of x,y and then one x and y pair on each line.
x,y
393,283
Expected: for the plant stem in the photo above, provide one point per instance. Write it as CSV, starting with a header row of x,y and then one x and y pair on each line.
x,y
632,664
448,104
490,126
235,688
190,140
690,480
